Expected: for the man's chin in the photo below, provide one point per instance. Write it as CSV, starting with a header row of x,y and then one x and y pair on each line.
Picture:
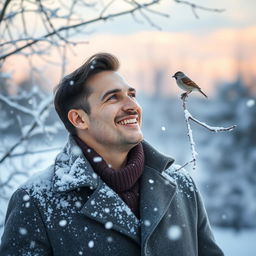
x,y
135,141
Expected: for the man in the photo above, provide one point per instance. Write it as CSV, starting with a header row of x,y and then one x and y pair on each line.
x,y
108,192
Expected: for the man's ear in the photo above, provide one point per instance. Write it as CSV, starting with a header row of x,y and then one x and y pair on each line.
x,y
78,118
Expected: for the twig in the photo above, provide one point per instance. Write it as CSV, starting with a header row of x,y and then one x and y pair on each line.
x,y
34,152
27,134
188,117
190,134
194,7
7,2
5,183
184,165
64,28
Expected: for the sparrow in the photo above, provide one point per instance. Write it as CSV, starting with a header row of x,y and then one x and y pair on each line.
x,y
186,84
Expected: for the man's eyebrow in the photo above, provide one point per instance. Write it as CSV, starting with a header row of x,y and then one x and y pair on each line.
x,y
115,91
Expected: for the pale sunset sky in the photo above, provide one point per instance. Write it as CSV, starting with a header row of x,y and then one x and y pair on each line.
x,y
210,49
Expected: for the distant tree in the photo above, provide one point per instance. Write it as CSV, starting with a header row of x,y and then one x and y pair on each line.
x,y
230,183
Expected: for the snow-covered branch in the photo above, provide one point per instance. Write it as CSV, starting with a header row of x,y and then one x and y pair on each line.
x,y
57,31
43,107
188,116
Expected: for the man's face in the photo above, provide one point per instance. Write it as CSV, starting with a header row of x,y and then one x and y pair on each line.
x,y
115,118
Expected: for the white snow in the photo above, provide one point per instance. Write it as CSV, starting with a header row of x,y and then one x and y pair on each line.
x,y
91,244
109,239
23,231
108,225
97,159
63,223
250,103
147,223
174,232
25,198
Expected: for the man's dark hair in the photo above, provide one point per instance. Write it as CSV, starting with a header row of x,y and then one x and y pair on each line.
x,y
72,92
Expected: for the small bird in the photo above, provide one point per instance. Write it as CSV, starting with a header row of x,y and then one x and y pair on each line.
x,y
186,84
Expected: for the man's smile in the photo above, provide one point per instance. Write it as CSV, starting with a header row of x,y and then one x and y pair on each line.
x,y
130,121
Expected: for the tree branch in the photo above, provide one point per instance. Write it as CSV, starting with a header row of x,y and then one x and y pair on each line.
x,y
101,18
188,117
7,2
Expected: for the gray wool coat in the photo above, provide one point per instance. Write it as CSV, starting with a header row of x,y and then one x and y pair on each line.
x,y
68,210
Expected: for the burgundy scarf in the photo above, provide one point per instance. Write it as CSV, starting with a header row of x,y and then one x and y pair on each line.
x,y
125,182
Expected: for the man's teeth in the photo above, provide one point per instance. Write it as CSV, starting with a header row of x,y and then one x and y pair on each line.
x,y
128,121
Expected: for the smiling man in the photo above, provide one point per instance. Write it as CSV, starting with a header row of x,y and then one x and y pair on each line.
x,y
108,192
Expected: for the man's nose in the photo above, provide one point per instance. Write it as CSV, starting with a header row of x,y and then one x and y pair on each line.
x,y
130,103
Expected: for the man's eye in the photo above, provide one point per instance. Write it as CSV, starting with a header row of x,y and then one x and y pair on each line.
x,y
133,95
113,97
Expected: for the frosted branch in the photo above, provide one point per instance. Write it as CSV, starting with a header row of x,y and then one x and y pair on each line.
x,y
80,24
45,105
188,117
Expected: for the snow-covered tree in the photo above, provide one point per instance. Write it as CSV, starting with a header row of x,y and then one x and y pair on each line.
x,y
230,159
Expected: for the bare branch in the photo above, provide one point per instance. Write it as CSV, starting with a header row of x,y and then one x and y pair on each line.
x,y
7,2
34,152
196,6
9,179
184,165
64,28
106,7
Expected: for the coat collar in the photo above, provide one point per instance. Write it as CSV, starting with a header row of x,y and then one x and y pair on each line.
x,y
72,170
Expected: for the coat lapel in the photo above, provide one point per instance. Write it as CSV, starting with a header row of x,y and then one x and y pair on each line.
x,y
105,206
156,191
72,170
156,196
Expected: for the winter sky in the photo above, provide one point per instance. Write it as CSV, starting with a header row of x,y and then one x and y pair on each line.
x,y
210,49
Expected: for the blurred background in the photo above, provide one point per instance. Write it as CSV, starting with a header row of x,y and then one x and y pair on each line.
x,y
213,42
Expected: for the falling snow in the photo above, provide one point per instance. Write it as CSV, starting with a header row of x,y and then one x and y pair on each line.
x,y
174,232
151,181
91,244
23,231
25,197
97,159
62,223
147,223
250,103
108,225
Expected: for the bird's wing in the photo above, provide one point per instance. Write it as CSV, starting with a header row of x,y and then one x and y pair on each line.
x,y
189,82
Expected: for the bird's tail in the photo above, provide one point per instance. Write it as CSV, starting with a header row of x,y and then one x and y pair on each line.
x,y
203,93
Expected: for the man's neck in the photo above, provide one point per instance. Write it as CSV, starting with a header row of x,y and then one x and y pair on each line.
x,y
115,157
115,160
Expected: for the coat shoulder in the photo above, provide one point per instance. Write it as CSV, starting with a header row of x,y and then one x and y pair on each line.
x,y
40,183
184,182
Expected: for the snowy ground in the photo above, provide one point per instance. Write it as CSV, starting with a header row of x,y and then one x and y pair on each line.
x,y
236,244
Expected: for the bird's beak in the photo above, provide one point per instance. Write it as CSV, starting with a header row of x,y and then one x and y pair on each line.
x,y
173,76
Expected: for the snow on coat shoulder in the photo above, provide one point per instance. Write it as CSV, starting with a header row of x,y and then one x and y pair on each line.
x,y
181,177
